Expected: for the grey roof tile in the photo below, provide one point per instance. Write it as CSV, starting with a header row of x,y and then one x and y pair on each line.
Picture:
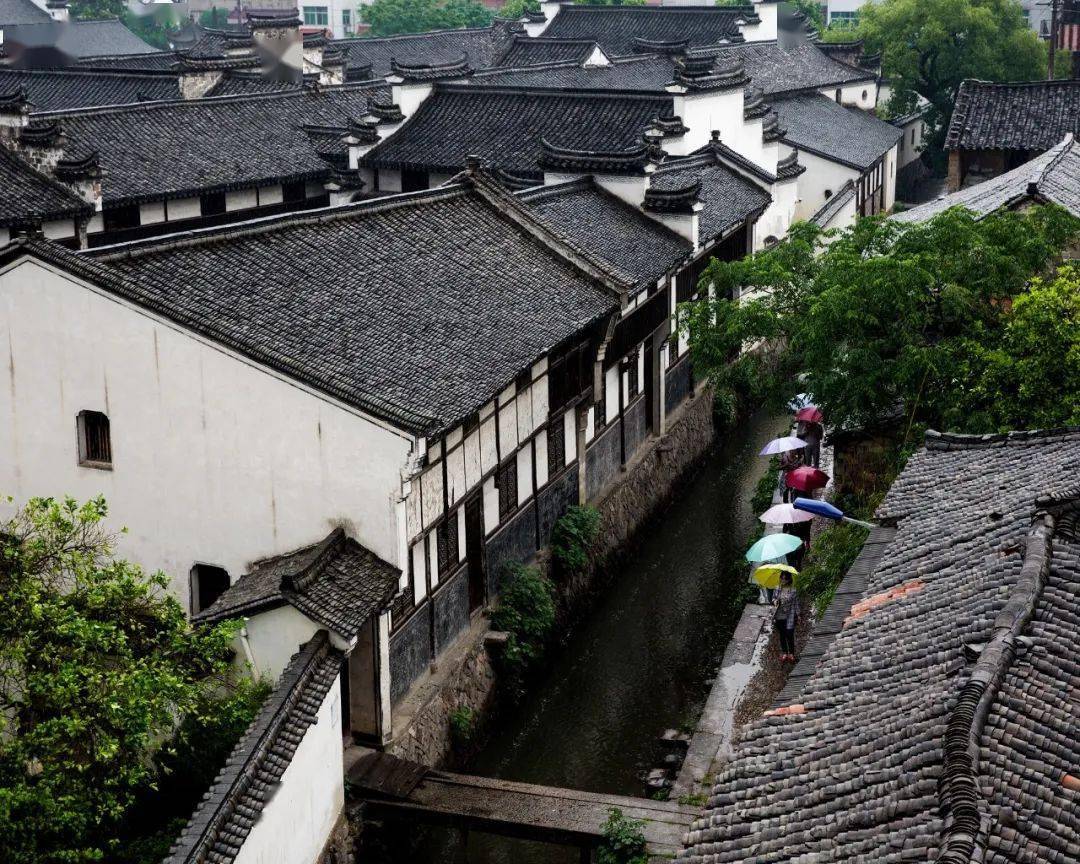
x,y
504,126
782,70
400,306
337,583
479,44
980,583
184,148
526,51
28,198
1053,176
629,241
60,89
78,38
21,12
1029,115
229,809
616,28
817,124
647,72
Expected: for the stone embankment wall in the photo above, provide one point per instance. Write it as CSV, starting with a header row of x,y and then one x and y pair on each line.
x,y
467,680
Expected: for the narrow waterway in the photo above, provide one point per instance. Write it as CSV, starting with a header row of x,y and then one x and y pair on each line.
x,y
642,661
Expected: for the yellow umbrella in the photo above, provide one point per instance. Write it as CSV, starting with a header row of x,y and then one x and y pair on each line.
x,y
768,575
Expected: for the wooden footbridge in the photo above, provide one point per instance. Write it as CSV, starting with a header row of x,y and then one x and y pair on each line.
x,y
395,787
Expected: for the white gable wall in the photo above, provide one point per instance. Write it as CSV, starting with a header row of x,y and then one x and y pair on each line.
x,y
296,823
215,459
820,175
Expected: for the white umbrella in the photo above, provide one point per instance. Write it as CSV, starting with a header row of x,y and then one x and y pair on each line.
x,y
782,445
800,401
784,514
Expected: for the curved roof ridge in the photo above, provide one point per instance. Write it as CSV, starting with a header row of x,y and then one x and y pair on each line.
x,y
935,440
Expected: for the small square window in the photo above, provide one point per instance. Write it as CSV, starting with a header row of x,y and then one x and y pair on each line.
x,y
207,584
95,443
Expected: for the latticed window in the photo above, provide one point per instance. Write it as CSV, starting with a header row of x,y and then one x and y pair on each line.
x,y
506,481
632,383
556,446
446,542
95,444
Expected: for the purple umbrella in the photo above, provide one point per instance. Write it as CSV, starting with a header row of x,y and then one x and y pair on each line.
x,y
784,514
782,445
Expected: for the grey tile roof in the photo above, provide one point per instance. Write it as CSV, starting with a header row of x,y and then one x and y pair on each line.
x,y
850,136
525,51
79,38
478,44
232,805
1053,176
617,27
400,306
832,207
183,148
782,70
336,582
636,245
245,82
505,125
58,89
645,73
1032,115
21,12
729,199
160,61
28,198
979,586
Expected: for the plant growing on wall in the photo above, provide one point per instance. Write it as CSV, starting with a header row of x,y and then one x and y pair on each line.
x,y
573,538
97,663
624,840
526,612
462,726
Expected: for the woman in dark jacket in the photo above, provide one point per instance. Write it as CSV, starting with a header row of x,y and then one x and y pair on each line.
x,y
785,613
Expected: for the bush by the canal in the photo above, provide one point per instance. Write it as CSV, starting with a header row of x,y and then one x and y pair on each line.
x,y
833,551
572,540
462,727
526,612
624,840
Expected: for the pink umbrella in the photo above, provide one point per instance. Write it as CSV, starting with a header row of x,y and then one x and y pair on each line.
x,y
782,445
784,514
806,479
810,414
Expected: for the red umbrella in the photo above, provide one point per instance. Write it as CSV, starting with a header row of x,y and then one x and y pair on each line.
x,y
810,414
806,479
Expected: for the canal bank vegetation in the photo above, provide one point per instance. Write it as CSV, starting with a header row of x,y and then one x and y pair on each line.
x,y
624,840
955,324
573,541
526,613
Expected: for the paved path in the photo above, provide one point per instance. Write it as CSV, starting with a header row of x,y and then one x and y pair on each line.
x,y
392,786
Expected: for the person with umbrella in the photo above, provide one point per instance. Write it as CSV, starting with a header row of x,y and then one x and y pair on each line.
x,y
785,614
811,431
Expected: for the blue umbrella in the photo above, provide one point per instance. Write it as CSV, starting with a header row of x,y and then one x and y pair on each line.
x,y
824,508
773,546
782,445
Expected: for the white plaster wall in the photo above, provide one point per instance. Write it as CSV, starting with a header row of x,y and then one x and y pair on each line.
x,y
524,473
570,435
296,823
270,195
611,383
629,189
241,199
184,208
913,138
409,96
767,12
5,236
861,94
389,180
820,174
214,458
59,230
152,212
890,178
701,113
272,638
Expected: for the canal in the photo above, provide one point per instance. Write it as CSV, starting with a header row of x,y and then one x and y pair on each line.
x,y
640,663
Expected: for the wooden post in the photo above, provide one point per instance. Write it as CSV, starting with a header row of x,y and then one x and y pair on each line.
x,y
955,171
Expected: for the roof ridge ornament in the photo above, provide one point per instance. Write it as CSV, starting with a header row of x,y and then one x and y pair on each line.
x,y
709,72
41,133
430,71
75,169
660,46
631,161
386,112
681,199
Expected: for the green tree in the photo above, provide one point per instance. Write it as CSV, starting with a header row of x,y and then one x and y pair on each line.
x,y
388,17
517,8
942,320
97,8
96,665
930,46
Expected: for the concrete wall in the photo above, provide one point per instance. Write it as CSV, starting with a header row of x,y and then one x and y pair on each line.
x,y
215,459
300,815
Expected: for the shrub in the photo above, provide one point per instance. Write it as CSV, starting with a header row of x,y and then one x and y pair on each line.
x,y
572,539
624,840
526,612
462,726
766,486
831,554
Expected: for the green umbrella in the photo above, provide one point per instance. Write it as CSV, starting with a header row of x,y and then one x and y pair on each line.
x,y
773,546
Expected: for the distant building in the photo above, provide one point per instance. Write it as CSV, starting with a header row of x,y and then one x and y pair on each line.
x,y
998,127
932,715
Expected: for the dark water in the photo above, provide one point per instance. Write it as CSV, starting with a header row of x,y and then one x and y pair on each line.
x,y
639,664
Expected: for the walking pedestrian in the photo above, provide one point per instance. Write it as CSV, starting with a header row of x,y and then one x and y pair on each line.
x,y
812,433
789,461
785,613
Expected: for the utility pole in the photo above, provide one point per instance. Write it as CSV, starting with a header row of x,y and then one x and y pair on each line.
x,y
1054,23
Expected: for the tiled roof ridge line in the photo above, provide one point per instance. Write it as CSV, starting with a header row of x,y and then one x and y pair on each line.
x,y
83,70
965,809
495,71
681,10
575,92
255,744
935,440
1038,177
327,549
157,104
367,40
613,283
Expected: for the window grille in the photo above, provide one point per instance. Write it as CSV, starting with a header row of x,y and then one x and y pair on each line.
x,y
506,481
95,443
